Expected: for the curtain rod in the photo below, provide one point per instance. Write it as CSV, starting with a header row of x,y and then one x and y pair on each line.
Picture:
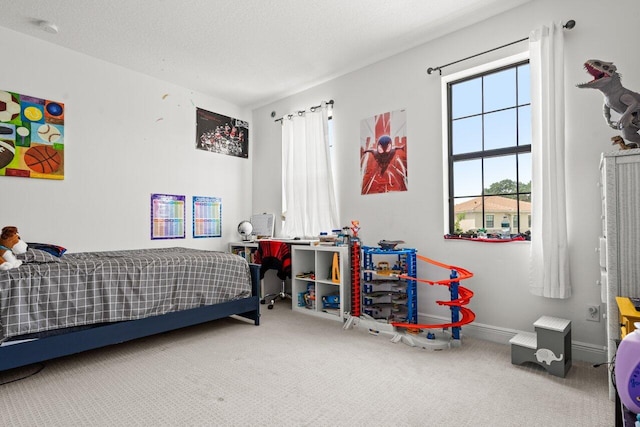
x,y
569,25
300,112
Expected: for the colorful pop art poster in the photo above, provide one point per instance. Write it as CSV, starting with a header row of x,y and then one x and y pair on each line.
x,y
221,134
383,153
167,216
207,216
31,136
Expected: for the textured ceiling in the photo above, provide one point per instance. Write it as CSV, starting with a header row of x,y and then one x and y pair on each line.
x,y
247,52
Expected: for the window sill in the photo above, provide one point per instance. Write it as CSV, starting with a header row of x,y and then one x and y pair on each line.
x,y
516,238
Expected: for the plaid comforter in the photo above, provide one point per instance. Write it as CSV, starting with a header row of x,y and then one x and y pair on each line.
x,y
94,287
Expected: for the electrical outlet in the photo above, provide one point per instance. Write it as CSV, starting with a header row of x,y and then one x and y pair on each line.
x,y
593,313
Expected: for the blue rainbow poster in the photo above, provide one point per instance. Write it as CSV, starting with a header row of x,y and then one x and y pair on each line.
x,y
207,216
167,216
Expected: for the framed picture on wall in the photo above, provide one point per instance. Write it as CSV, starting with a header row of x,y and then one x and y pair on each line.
x,y
383,153
31,136
207,216
221,134
167,216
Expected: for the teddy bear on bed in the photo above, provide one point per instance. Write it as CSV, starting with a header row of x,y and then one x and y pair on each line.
x,y
10,246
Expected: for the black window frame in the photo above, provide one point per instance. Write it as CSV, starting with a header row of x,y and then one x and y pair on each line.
x,y
482,154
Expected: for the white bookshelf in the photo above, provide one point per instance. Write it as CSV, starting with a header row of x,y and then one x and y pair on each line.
x,y
246,250
319,260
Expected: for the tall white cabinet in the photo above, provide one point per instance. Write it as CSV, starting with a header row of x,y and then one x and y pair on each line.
x,y
620,241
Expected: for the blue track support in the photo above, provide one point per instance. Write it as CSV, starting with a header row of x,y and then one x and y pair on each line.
x,y
412,289
455,310
368,263
406,258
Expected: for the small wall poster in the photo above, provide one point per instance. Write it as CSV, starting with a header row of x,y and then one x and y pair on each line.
x,y
207,216
221,134
383,153
31,136
167,216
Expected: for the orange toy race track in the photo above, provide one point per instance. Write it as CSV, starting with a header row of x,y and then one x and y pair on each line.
x,y
464,295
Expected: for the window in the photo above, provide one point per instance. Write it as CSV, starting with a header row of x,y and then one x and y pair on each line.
x,y
489,221
489,148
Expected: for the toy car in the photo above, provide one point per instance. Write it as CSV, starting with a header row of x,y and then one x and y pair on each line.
x,y
331,301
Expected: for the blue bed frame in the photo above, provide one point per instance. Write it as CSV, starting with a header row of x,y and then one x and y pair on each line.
x,y
39,350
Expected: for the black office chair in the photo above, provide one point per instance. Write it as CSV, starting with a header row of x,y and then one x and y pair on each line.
x,y
274,255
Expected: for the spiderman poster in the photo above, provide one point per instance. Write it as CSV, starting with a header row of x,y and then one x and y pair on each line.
x,y
383,153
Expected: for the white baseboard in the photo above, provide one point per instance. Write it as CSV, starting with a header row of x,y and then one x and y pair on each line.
x,y
581,351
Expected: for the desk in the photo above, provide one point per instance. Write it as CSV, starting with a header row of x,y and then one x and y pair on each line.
x,y
296,241
248,249
628,316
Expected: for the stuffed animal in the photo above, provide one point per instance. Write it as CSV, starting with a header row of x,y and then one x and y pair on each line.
x,y
617,98
10,246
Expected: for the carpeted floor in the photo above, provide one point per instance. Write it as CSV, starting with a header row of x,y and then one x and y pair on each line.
x,y
298,370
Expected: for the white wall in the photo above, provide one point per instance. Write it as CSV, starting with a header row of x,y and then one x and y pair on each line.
x,y
123,141
502,300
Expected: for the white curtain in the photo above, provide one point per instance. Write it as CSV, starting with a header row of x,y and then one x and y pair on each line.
x,y
550,276
308,196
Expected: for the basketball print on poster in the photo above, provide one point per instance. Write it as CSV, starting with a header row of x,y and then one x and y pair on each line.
x,y
31,136
221,134
383,153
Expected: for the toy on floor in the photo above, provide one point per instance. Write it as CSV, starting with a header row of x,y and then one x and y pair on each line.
x,y
409,333
10,246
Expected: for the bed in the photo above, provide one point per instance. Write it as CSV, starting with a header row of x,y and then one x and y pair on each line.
x,y
52,306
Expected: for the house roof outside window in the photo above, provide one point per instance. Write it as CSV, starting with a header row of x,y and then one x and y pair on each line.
x,y
493,204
